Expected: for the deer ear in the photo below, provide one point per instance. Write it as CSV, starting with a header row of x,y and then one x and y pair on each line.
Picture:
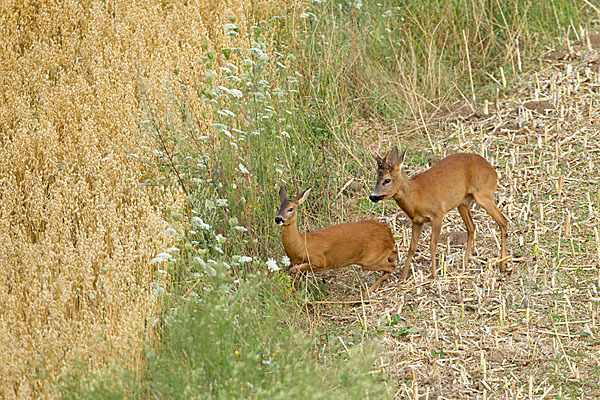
x,y
400,159
282,193
393,159
302,196
391,156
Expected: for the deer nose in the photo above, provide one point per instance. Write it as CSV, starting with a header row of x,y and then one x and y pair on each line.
x,y
278,220
374,198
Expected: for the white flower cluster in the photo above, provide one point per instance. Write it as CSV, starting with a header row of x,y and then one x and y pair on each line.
x,y
272,265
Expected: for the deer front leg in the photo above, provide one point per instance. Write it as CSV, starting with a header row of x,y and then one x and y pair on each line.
x,y
416,233
436,228
295,269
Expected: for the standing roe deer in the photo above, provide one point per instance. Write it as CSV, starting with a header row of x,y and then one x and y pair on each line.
x,y
369,244
455,181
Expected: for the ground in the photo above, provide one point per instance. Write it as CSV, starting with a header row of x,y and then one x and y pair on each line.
x,y
480,333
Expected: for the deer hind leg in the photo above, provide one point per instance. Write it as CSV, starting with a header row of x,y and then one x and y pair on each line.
x,y
489,205
465,212
414,240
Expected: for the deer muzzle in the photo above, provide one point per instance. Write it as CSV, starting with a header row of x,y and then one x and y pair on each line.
x,y
375,198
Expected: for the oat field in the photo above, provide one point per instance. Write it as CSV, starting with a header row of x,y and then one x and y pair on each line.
x,y
143,145
78,226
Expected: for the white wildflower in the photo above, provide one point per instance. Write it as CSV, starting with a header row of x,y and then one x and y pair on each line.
x,y
172,250
210,270
229,27
261,55
236,93
285,260
272,265
171,231
200,223
243,169
209,204
158,289
240,228
226,113
220,239
227,133
233,78
162,257
222,203
232,66
244,259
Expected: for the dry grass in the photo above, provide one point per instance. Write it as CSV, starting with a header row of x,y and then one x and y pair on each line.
x,y
479,333
76,227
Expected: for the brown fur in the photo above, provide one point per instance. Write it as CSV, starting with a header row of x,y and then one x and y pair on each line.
x,y
455,181
369,244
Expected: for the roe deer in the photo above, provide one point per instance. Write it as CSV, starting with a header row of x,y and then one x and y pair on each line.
x,y
369,244
455,181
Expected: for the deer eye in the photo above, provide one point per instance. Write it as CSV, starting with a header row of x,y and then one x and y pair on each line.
x,y
290,209
386,181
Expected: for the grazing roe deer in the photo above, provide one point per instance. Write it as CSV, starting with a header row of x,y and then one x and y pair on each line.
x,y
369,244
455,181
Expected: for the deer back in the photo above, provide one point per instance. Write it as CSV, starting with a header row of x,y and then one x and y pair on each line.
x,y
350,243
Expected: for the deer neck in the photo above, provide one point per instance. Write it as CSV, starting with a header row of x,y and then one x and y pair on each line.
x,y
406,196
293,243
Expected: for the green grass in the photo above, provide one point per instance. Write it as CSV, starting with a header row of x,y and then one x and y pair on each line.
x,y
393,61
240,340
